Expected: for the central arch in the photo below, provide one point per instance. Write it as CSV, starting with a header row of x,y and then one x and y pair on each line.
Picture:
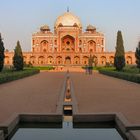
x,y
68,60
68,43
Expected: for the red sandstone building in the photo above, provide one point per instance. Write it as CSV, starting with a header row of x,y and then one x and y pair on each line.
x,y
68,45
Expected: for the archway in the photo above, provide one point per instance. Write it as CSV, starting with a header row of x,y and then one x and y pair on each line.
x,y
59,60
103,60
85,60
41,60
50,60
67,60
92,46
68,43
111,60
76,60
32,59
44,46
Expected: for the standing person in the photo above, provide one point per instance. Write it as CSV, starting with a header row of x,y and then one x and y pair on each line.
x,y
86,69
90,65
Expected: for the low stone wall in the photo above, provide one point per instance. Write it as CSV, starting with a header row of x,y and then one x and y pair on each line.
x,y
124,127
134,135
13,123
1,135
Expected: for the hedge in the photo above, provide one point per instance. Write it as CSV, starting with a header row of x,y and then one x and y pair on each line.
x,y
15,75
43,68
122,75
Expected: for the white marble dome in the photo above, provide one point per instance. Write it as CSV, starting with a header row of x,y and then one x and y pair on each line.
x,y
68,19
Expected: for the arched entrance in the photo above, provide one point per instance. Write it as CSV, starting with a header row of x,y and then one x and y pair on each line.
x,y
41,60
67,60
103,60
85,60
68,43
59,60
76,60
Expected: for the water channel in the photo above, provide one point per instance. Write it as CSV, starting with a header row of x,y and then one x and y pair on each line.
x,y
67,132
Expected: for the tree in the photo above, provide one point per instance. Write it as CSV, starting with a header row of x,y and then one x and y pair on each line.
x,y
18,58
119,60
1,54
137,54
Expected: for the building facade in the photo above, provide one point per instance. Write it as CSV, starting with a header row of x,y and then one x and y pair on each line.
x,y
68,44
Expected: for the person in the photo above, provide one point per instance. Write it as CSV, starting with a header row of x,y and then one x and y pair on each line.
x,y
90,70
90,64
86,69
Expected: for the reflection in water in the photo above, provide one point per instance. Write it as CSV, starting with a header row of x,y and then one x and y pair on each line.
x,y
67,133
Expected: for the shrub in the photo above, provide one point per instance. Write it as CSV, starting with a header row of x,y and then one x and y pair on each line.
x,y
122,75
15,75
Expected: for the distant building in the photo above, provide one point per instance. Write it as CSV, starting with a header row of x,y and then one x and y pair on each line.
x,y
68,45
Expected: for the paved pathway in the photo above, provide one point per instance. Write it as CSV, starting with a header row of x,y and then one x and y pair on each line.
x,y
35,94
94,94
100,93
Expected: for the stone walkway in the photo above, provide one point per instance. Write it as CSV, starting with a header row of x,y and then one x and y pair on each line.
x,y
99,93
35,94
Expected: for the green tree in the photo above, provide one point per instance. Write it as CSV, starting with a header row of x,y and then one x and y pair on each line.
x,y
1,53
119,61
137,54
18,58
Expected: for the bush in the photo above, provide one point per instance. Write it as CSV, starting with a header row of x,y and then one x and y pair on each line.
x,y
122,75
131,69
15,75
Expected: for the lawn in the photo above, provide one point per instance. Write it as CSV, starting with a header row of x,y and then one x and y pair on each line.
x,y
43,67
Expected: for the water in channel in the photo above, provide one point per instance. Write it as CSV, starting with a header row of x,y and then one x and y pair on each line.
x,y
67,132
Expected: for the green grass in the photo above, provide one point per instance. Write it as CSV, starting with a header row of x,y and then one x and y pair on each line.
x,y
8,75
43,67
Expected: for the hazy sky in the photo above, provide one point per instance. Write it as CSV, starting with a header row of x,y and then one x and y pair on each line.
x,y
20,18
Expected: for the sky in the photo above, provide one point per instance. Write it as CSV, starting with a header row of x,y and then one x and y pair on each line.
x,y
19,19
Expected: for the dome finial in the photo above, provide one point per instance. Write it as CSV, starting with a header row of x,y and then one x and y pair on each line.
x,y
68,9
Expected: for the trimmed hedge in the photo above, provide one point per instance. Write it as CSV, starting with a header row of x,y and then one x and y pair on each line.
x,y
122,75
15,75
43,68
